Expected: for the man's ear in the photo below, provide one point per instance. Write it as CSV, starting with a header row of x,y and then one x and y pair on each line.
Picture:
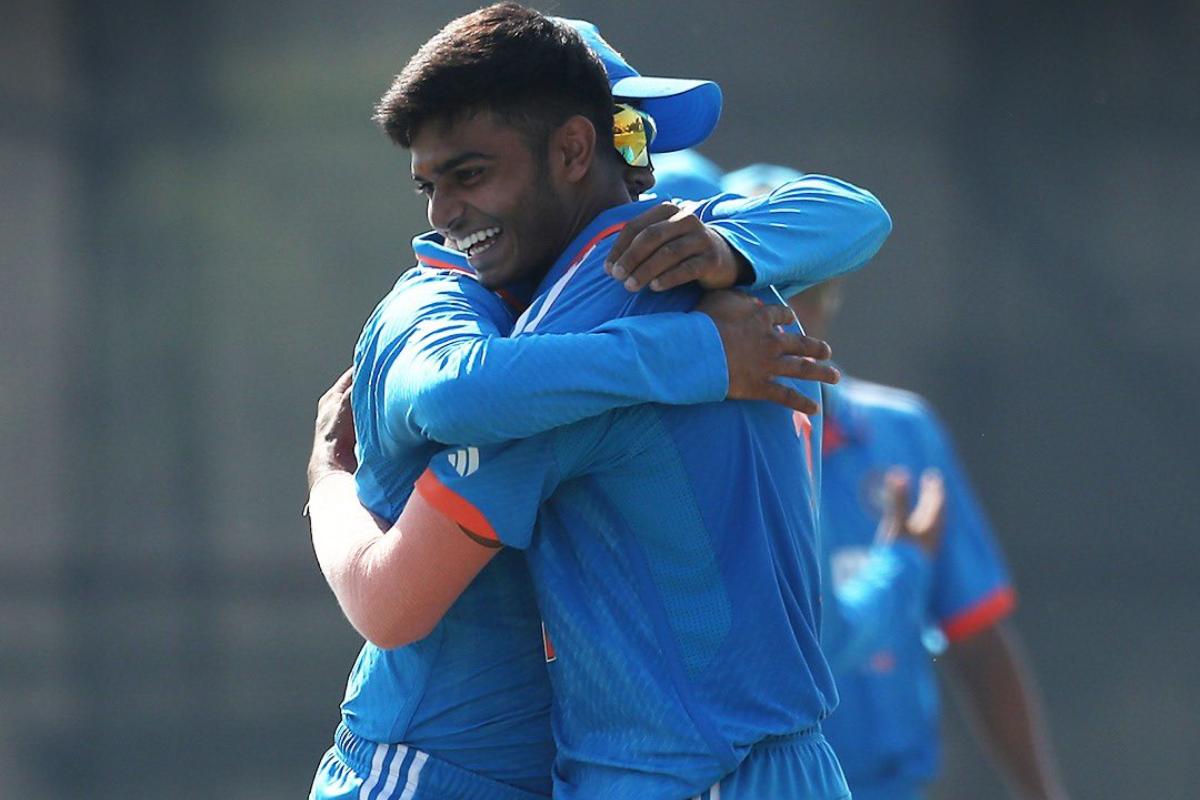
x,y
573,147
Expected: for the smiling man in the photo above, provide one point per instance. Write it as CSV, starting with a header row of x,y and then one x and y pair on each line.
x,y
508,126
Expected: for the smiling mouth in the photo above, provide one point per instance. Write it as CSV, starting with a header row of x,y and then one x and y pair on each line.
x,y
477,243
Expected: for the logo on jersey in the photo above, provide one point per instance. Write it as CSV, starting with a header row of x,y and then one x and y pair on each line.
x,y
804,428
465,460
548,646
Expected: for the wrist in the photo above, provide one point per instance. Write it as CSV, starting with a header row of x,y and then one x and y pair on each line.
x,y
734,269
324,460
324,482
740,267
744,269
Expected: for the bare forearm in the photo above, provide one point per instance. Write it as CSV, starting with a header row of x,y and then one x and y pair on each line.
x,y
393,588
354,557
1002,698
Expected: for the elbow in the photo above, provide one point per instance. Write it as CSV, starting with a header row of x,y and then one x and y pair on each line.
x,y
390,639
874,227
883,223
877,223
392,633
381,615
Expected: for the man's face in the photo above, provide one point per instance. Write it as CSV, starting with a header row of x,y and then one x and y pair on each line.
x,y
490,196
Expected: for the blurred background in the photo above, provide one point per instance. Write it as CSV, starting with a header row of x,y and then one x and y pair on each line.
x,y
197,215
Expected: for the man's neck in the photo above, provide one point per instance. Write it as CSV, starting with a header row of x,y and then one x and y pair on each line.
x,y
594,201
609,194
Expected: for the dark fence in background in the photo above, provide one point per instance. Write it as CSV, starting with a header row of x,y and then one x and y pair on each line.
x,y
197,215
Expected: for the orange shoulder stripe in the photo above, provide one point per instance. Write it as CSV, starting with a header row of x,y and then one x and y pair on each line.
x,y
454,506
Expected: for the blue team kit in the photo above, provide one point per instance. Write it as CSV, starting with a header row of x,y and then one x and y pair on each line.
x,y
884,600
475,693
675,567
466,712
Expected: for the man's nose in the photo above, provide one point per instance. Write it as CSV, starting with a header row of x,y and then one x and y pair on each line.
x,y
445,210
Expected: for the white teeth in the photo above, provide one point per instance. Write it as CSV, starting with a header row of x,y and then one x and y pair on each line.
x,y
466,244
481,248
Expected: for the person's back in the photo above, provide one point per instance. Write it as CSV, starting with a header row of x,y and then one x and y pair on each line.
x,y
675,565
485,708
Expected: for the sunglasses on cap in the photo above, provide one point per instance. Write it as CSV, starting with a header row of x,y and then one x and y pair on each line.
x,y
633,131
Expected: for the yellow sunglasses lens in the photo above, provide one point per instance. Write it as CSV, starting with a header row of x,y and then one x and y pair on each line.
x,y
633,131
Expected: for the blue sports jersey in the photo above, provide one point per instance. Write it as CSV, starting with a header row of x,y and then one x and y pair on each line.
x,y
804,232
886,597
429,367
474,692
677,574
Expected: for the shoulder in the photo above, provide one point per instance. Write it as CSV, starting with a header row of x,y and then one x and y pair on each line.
x,y
897,416
425,293
422,286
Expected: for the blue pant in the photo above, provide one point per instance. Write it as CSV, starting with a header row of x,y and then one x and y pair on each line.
x,y
882,789
797,767
357,769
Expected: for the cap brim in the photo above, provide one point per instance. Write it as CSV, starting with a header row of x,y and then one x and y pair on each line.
x,y
685,111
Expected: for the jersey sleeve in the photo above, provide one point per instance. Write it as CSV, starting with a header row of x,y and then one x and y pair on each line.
x,y
806,231
447,373
971,588
494,491
887,594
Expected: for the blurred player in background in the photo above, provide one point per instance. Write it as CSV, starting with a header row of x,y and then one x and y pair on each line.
x,y
909,582
901,581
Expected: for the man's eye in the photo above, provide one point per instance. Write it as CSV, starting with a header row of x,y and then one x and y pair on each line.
x,y
423,189
469,175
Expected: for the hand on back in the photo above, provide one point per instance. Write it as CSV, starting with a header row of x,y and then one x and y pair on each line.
x,y
333,435
757,350
667,246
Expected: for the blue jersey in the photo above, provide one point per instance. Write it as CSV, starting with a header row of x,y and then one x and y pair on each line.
x,y
432,363
676,571
804,232
430,368
888,599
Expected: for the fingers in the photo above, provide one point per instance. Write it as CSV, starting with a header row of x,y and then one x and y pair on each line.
x,y
630,232
662,246
931,503
675,247
340,387
786,396
689,269
333,435
797,344
780,315
805,369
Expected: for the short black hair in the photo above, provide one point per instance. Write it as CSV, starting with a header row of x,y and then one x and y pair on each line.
x,y
531,71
